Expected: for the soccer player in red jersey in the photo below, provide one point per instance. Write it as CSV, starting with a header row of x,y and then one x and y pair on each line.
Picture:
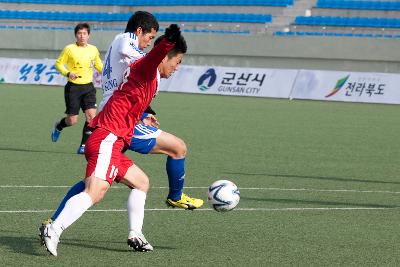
x,y
112,131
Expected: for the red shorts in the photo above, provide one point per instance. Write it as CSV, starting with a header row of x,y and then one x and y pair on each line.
x,y
104,157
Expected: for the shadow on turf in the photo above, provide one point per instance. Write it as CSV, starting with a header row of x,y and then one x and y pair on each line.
x,y
22,244
329,203
342,179
84,243
34,151
32,246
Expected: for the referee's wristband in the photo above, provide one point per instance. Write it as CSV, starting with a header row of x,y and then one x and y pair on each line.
x,y
68,74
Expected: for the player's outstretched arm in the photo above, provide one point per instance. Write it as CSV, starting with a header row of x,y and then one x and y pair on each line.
x,y
98,64
148,65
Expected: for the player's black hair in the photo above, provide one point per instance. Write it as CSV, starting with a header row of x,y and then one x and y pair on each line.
x,y
180,46
81,26
142,19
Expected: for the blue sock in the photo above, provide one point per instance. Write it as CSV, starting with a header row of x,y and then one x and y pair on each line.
x,y
176,177
74,190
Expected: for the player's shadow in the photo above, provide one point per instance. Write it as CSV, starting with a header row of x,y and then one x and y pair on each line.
x,y
331,178
319,202
32,246
33,150
102,245
22,244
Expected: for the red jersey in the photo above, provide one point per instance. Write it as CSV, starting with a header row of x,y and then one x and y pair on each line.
x,y
127,104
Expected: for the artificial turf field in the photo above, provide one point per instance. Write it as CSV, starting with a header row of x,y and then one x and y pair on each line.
x,y
319,184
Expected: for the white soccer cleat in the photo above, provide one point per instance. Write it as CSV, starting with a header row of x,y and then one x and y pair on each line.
x,y
138,242
42,229
50,239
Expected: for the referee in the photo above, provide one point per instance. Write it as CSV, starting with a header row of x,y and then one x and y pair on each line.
x,y
76,62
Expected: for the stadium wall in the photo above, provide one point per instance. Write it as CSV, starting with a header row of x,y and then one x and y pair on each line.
x,y
321,53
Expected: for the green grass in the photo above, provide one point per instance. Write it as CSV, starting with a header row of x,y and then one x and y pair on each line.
x,y
323,178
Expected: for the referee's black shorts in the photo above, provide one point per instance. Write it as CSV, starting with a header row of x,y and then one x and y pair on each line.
x,y
79,96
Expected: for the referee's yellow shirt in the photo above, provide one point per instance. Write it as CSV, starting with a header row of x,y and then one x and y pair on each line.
x,y
79,60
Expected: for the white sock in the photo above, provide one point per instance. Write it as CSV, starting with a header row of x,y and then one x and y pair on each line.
x,y
73,210
136,201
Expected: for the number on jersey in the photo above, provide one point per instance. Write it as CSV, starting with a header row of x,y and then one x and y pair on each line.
x,y
107,70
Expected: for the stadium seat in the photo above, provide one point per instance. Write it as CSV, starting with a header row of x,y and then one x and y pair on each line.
x,y
367,5
161,2
102,16
349,22
336,34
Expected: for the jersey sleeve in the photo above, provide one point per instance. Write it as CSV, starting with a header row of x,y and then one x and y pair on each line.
x,y
98,64
61,61
129,51
147,67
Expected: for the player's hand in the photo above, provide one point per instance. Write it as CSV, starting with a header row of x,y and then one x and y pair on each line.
x,y
173,33
72,76
151,120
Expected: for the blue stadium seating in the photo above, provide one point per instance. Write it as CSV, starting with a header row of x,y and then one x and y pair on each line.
x,y
66,28
161,2
368,5
348,21
106,17
336,34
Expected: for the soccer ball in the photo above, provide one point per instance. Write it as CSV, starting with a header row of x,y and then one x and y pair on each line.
x,y
223,195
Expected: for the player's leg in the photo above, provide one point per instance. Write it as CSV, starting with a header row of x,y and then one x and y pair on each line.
x,y
73,210
95,189
101,170
86,132
138,181
175,148
72,104
147,139
88,104
74,190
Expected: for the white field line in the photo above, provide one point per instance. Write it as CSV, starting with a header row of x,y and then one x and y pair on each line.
x,y
236,210
241,188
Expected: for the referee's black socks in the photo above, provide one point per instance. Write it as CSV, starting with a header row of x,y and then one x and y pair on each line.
x,y
62,124
85,133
